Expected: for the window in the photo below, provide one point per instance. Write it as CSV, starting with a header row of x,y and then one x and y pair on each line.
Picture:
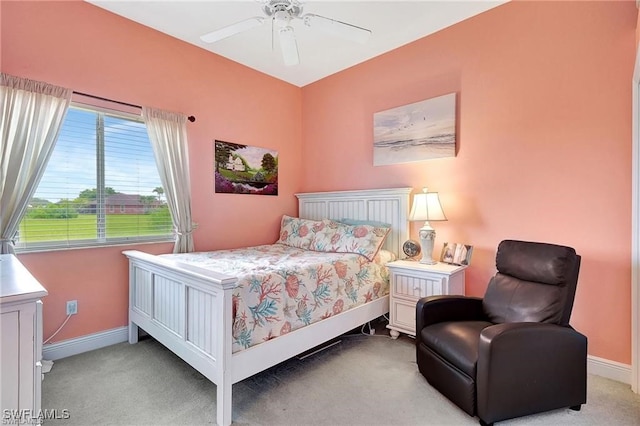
x,y
102,159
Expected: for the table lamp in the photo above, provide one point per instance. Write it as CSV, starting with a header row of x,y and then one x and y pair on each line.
x,y
426,206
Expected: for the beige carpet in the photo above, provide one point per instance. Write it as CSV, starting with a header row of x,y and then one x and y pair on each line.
x,y
364,380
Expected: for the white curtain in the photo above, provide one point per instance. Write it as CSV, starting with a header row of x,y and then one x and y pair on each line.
x,y
168,135
32,114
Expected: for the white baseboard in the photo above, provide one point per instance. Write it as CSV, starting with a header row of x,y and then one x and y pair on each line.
x,y
609,369
86,343
595,365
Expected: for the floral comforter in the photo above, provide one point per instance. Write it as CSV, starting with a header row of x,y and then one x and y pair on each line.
x,y
282,288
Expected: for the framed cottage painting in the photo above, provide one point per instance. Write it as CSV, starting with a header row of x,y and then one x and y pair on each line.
x,y
245,169
415,132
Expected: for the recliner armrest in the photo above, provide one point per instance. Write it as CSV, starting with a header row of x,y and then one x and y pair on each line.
x,y
520,362
516,337
435,309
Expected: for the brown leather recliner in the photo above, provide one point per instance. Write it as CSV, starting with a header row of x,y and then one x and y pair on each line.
x,y
512,353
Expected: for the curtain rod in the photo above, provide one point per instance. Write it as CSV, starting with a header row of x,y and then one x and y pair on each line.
x,y
191,118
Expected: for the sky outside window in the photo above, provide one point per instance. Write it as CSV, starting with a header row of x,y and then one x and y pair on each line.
x,y
129,163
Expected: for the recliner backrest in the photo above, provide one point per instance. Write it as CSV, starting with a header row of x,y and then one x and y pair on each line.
x,y
536,282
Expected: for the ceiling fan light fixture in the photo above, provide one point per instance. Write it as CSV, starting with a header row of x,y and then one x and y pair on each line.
x,y
281,19
289,46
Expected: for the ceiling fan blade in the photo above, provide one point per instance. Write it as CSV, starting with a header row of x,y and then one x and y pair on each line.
x,y
232,29
338,28
289,46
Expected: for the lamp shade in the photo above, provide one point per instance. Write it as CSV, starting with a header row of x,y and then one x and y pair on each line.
x,y
426,206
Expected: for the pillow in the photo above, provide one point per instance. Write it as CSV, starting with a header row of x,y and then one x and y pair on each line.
x,y
365,222
296,232
385,256
341,238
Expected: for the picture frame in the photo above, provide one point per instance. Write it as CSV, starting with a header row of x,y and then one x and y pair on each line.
x,y
415,132
456,254
245,169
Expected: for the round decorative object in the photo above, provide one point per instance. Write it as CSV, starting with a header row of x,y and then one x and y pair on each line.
x,y
411,248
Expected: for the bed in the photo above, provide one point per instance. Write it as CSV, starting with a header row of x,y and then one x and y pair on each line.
x,y
189,307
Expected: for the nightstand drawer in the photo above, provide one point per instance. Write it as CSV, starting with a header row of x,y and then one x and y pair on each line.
x,y
403,315
411,281
416,287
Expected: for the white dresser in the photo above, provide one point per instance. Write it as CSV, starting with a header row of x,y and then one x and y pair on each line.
x,y
411,280
20,339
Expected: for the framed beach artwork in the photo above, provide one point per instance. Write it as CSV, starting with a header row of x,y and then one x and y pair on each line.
x,y
415,132
245,169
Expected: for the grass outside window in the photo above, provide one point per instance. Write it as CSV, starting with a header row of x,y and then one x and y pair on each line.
x,y
83,227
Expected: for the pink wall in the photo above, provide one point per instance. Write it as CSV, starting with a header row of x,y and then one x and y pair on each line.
x,y
544,141
78,45
637,28
544,126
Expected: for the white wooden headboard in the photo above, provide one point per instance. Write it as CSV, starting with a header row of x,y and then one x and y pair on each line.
x,y
383,205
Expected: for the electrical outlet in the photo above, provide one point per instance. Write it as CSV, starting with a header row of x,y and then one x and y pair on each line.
x,y
72,307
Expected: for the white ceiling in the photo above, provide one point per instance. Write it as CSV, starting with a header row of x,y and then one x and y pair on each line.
x,y
393,23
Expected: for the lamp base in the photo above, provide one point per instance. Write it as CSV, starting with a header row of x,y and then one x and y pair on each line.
x,y
427,238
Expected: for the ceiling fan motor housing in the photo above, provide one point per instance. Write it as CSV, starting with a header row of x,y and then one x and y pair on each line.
x,y
282,9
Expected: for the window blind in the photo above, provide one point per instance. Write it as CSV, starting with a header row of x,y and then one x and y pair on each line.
x,y
101,186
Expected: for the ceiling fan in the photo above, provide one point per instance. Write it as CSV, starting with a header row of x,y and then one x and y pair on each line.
x,y
281,13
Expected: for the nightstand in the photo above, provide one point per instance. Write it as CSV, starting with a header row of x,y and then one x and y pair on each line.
x,y
410,281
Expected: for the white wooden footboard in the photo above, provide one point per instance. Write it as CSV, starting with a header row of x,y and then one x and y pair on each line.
x,y
189,310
